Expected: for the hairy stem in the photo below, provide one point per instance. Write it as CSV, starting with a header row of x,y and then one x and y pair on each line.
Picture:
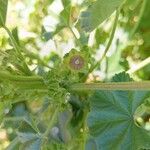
x,y
24,82
32,85
144,85
7,76
36,82
109,42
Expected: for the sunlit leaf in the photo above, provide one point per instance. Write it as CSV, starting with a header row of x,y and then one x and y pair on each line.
x,y
97,13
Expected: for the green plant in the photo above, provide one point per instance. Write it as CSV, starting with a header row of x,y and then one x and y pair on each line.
x,y
57,107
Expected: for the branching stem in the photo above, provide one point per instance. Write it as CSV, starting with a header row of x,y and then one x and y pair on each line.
x,y
139,20
109,42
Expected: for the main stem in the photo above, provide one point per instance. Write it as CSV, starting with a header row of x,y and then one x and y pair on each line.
x,y
123,86
36,82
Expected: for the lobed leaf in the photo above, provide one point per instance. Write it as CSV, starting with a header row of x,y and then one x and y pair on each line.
x,y
111,120
97,13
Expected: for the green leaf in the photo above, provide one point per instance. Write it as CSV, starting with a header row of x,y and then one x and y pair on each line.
x,y
100,37
122,77
97,13
3,12
65,15
34,145
25,137
111,120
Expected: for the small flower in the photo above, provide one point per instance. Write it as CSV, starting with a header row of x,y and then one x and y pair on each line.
x,y
76,61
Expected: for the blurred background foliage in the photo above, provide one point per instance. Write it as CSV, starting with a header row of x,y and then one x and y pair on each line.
x,y
45,28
